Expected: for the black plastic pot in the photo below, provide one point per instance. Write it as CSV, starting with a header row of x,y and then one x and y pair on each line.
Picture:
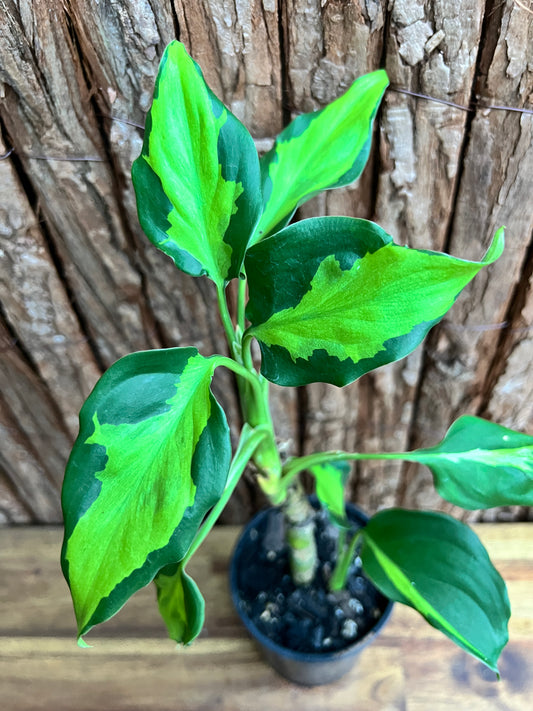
x,y
306,668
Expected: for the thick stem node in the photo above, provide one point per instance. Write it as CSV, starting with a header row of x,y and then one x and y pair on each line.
x,y
299,515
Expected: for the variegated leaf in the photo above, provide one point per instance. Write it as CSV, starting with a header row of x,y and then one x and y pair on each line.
x,y
332,298
180,603
197,179
151,458
480,464
318,151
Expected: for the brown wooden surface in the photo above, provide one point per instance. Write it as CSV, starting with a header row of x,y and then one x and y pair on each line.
x,y
132,666
80,285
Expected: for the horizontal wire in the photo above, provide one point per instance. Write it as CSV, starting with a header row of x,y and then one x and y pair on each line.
x,y
479,104
399,90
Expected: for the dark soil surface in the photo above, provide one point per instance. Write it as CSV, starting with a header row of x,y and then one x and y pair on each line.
x,y
307,618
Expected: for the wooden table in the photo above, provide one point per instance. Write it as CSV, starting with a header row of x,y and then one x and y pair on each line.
x,y
134,667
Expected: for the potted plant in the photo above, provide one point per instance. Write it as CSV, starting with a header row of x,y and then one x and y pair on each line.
x,y
327,299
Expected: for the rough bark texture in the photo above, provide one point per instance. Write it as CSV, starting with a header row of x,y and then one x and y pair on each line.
x,y
81,286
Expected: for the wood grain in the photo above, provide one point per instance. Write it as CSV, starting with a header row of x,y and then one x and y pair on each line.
x,y
80,285
131,666
467,356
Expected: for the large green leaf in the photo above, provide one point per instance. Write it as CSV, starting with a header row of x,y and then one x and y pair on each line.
x,y
181,604
439,566
197,179
332,298
479,465
151,458
320,150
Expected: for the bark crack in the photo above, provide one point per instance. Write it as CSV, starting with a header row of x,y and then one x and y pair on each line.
x,y
152,327
492,12
175,19
284,65
48,240
508,339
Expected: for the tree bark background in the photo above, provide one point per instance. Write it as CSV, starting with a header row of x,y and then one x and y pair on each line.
x,y
81,286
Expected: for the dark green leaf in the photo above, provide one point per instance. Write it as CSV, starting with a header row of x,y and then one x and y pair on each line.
x,y
439,566
320,150
332,298
479,465
151,458
197,179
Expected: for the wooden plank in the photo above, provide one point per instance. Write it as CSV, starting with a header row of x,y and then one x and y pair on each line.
x,y
132,666
225,676
46,366
35,441
511,400
12,510
430,49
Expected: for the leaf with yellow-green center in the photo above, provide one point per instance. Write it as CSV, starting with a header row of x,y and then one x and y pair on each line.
x,y
332,298
480,464
151,458
197,180
318,151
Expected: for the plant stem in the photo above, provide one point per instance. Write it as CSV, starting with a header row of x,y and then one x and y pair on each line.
x,y
250,438
300,535
241,303
294,466
253,393
226,318
241,371
247,352
346,555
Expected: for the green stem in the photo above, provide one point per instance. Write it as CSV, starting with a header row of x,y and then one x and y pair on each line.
x,y
253,395
243,372
300,536
247,351
250,438
346,555
294,466
253,392
241,303
226,317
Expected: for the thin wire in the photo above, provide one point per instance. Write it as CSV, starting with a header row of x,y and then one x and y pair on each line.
x,y
524,6
121,120
478,104
70,159
97,159
398,90
505,108
7,153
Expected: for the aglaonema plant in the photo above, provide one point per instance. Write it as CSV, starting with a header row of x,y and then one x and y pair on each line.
x,y
327,299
